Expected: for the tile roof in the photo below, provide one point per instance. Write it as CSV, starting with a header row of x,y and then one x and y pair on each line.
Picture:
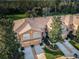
x,y
68,20
63,57
39,22
36,23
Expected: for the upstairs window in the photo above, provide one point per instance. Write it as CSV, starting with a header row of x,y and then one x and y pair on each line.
x,y
36,35
26,36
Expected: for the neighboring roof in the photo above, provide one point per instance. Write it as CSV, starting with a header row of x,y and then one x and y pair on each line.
x,y
36,23
76,19
63,57
67,19
71,19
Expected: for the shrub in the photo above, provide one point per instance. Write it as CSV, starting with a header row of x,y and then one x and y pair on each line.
x,y
75,44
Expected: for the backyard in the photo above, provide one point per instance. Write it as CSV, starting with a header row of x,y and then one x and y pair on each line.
x,y
17,16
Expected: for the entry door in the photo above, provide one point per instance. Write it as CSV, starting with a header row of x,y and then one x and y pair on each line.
x,y
28,53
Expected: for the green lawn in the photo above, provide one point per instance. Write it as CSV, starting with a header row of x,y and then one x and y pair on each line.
x,y
52,55
18,16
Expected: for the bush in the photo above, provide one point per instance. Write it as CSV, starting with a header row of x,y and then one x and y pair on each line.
x,y
52,54
75,44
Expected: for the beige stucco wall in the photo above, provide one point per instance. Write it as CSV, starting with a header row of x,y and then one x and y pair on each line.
x,y
31,42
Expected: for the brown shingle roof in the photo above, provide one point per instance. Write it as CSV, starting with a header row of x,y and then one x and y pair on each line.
x,y
35,23
39,22
67,20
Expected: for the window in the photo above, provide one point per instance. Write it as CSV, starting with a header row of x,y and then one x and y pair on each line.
x,y
26,36
36,35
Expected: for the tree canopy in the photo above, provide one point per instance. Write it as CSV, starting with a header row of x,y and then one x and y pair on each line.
x,y
55,33
9,44
56,6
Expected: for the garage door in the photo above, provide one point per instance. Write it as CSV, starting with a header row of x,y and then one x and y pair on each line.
x,y
28,53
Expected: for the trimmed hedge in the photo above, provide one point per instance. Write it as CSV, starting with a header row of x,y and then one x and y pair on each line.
x,y
75,44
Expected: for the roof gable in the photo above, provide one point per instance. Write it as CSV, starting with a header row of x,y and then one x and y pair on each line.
x,y
18,23
25,29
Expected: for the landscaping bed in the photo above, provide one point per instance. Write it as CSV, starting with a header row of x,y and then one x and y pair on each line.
x,y
52,54
75,44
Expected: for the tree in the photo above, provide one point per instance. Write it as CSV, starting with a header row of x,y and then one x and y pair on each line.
x,y
9,40
55,33
3,51
77,33
57,6
57,2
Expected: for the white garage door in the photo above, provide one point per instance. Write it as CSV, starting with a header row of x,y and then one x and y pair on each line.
x,y
28,53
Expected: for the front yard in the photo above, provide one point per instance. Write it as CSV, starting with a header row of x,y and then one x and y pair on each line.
x,y
75,44
52,54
